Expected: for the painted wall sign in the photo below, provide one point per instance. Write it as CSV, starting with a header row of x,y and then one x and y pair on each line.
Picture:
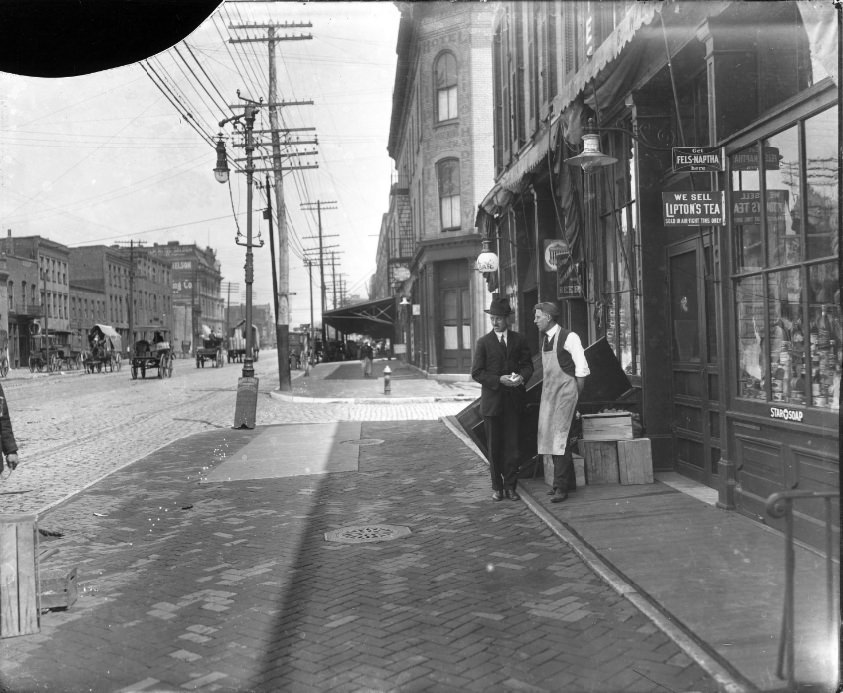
x,y
553,249
693,208
786,414
697,159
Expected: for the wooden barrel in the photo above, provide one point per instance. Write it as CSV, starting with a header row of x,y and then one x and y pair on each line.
x,y
19,610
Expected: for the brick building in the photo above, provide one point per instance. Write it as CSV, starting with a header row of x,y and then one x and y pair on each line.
x,y
196,283
441,141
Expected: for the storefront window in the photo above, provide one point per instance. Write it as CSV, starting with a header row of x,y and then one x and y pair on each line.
x,y
824,335
746,210
788,328
781,178
618,264
821,177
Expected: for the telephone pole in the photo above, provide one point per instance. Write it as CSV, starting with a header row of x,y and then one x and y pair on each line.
x,y
281,275
319,205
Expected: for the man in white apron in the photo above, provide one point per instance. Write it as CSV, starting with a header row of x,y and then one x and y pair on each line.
x,y
564,372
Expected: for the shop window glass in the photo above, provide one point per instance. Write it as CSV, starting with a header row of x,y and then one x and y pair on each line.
x,y
746,210
824,335
788,310
786,337
752,365
781,176
821,229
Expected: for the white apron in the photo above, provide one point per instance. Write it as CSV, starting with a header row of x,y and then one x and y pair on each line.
x,y
558,403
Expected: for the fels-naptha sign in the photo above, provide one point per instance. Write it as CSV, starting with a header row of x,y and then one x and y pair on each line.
x,y
693,208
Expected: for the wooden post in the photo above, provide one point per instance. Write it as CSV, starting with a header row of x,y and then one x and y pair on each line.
x,y
19,609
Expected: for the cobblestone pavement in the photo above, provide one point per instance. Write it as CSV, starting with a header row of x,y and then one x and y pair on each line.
x,y
233,586
76,429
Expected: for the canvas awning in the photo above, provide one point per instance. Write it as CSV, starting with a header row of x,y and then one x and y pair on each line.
x,y
375,318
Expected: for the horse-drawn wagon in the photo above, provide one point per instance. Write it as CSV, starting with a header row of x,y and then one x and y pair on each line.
x,y
211,349
105,345
237,342
153,355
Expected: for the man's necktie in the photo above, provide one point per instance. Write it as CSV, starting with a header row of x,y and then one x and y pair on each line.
x,y
503,342
547,343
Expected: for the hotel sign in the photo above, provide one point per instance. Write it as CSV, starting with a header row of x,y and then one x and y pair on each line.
x,y
697,159
693,208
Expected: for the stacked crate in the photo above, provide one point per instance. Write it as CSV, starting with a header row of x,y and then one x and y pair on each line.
x,y
611,454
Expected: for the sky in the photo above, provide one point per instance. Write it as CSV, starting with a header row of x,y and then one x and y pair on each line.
x,y
108,158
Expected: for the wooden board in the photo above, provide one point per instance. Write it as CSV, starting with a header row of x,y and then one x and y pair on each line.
x,y
601,461
635,462
19,612
607,426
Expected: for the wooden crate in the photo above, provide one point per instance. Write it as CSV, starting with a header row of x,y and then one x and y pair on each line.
x,y
635,461
19,614
601,461
58,588
616,425
579,469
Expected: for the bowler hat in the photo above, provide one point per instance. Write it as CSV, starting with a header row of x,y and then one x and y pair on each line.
x,y
499,306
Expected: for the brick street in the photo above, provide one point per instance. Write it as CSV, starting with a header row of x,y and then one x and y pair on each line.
x,y
233,586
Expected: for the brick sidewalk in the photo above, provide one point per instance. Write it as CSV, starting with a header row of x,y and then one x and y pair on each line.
x,y
233,587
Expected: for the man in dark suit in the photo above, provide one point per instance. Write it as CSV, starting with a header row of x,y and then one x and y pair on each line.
x,y
502,365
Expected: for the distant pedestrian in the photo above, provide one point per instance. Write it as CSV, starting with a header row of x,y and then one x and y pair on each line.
x,y
8,444
502,365
564,370
366,356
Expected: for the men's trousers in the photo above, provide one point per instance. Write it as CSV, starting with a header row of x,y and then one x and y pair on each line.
x,y
564,478
502,448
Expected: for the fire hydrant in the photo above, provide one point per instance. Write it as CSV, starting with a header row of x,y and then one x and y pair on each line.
x,y
387,387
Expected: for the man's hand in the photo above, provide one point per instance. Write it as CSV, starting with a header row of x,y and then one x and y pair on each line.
x,y
12,461
512,380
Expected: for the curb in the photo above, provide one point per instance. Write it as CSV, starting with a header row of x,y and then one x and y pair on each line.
x,y
727,678
430,399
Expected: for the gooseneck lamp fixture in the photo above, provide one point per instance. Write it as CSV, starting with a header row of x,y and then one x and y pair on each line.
x,y
221,169
591,159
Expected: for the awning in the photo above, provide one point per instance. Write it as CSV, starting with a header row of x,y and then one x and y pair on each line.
x,y
374,318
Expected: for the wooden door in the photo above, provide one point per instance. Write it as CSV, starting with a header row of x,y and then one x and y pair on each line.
x,y
694,361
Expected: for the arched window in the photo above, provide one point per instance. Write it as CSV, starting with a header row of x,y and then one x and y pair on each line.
x,y
448,176
445,80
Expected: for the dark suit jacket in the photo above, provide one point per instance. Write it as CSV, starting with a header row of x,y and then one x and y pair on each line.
x,y
490,363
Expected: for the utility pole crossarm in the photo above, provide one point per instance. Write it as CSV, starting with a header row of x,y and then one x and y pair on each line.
x,y
285,25
302,37
277,104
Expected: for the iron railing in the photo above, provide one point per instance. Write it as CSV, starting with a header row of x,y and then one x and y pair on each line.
x,y
781,505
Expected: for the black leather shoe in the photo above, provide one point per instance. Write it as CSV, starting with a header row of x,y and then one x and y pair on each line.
x,y
497,495
552,491
513,495
558,497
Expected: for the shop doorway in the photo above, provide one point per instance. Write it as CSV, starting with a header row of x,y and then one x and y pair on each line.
x,y
454,297
695,371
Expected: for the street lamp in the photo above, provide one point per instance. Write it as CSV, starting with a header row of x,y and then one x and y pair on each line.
x,y
247,386
221,169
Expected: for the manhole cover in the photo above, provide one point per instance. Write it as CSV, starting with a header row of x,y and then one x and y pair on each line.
x,y
364,441
367,533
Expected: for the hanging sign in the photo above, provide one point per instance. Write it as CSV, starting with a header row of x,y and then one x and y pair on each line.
x,y
697,159
693,208
553,249
569,278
